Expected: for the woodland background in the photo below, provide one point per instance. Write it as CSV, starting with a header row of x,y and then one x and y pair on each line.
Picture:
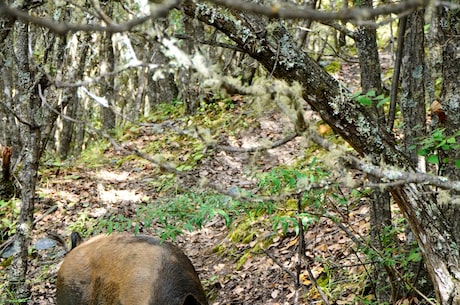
x,y
300,152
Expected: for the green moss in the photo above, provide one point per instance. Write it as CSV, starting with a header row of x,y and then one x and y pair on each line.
x,y
243,233
242,260
333,67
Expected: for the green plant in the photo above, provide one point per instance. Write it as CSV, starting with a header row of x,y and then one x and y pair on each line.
x,y
182,212
370,98
167,111
280,180
286,183
290,222
8,297
435,142
333,66
93,155
84,225
9,213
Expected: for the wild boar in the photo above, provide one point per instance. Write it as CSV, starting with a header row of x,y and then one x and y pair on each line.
x,y
122,269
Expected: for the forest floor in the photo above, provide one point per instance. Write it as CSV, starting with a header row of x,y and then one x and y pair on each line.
x,y
265,277
78,195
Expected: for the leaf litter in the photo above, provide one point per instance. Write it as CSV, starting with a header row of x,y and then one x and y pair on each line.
x,y
81,195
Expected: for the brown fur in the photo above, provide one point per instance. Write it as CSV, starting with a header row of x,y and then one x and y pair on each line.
x,y
128,270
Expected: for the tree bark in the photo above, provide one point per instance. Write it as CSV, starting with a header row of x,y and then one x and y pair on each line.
x,y
450,98
28,104
108,88
412,87
379,206
275,50
448,35
67,134
412,103
34,123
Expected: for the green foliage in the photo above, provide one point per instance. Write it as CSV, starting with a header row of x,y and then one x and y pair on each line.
x,y
279,213
167,111
184,212
292,222
281,180
176,21
370,98
85,225
7,297
92,156
426,28
333,66
438,141
394,254
9,214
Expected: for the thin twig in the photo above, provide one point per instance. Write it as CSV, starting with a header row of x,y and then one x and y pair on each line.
x,y
390,176
355,15
302,252
291,274
396,73
300,247
62,28
275,144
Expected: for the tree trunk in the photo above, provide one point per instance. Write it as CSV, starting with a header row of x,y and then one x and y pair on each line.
x,y
34,122
450,97
412,87
165,86
354,123
379,207
448,35
28,104
67,134
412,103
10,130
108,87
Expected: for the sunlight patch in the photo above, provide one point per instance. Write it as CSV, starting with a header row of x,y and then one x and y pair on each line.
x,y
112,176
112,196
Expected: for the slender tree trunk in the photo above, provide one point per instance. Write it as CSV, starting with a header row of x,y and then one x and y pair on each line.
x,y
379,207
412,87
412,103
450,96
448,35
67,134
166,88
187,83
28,105
108,88
10,130
34,123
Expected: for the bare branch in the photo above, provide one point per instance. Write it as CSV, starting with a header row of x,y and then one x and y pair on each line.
x,y
396,176
257,148
62,28
16,115
390,176
90,80
101,13
356,14
208,42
